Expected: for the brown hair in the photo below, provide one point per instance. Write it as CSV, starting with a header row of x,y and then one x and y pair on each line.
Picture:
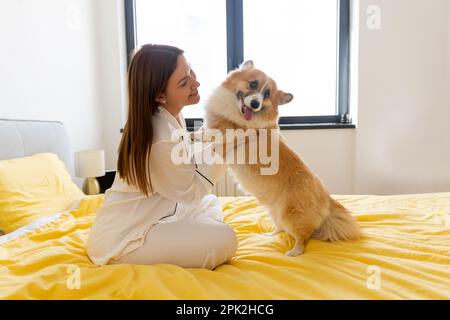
x,y
148,74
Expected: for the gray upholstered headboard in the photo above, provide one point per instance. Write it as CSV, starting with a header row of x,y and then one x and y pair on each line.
x,y
19,138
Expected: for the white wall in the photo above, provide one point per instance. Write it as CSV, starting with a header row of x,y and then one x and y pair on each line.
x,y
112,68
329,153
448,59
48,66
402,140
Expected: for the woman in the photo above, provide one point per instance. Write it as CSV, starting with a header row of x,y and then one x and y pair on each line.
x,y
158,211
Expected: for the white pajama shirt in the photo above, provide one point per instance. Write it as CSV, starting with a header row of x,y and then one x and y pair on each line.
x,y
179,190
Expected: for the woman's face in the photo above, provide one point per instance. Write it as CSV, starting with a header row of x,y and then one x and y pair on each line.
x,y
181,88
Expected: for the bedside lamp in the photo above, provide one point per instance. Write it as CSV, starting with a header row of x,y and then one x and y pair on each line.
x,y
90,164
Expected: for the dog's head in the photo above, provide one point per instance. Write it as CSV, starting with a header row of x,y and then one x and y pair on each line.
x,y
256,97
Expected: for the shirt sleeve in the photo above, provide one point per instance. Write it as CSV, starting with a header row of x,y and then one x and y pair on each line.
x,y
179,177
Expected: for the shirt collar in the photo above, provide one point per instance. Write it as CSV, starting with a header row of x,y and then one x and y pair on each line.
x,y
169,117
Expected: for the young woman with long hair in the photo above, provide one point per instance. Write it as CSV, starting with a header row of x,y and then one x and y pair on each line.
x,y
157,210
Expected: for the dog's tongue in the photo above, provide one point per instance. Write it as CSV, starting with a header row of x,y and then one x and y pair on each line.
x,y
248,113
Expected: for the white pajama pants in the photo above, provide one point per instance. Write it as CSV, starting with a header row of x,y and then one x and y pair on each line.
x,y
193,238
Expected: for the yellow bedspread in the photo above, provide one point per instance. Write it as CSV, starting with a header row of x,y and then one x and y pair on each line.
x,y
404,255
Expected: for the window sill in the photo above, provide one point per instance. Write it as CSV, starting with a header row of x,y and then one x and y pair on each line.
x,y
307,126
311,126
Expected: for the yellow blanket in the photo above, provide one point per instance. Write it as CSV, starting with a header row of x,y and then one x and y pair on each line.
x,y
404,255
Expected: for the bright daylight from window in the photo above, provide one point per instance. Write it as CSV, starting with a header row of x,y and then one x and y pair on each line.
x,y
294,42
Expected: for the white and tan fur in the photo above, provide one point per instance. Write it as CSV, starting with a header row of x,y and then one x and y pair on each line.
x,y
296,198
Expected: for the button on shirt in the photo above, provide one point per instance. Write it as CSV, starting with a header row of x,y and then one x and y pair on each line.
x,y
177,189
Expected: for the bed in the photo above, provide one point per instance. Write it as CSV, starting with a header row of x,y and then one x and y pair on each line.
x,y
405,253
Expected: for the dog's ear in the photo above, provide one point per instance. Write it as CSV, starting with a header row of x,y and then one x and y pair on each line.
x,y
284,98
247,65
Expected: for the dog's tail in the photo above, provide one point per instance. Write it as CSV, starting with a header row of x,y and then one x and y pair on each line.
x,y
339,225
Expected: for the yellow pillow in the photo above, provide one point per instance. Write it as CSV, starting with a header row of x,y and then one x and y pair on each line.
x,y
33,187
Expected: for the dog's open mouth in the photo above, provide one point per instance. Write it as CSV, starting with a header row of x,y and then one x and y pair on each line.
x,y
247,112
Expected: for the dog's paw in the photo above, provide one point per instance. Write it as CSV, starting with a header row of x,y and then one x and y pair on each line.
x,y
196,136
296,251
201,135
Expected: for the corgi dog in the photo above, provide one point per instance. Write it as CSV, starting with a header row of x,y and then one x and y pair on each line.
x,y
295,197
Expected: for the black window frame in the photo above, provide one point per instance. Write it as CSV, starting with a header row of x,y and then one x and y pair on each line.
x,y
235,56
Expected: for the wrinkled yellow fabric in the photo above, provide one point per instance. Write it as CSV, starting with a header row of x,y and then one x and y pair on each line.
x,y
404,255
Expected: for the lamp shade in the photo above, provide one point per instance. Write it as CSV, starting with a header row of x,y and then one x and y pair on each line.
x,y
90,163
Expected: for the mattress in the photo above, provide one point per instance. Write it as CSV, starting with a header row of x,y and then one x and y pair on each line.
x,y
405,254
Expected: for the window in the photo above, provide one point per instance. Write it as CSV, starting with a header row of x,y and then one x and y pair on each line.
x,y
302,44
198,27
297,49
